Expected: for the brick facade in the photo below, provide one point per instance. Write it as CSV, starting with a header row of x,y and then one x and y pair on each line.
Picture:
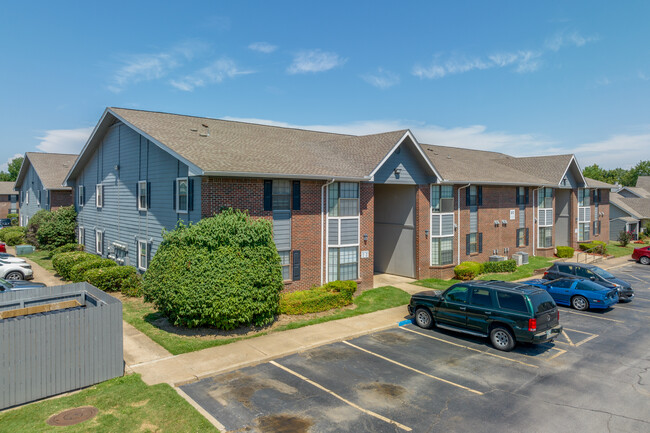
x,y
6,205
367,227
60,199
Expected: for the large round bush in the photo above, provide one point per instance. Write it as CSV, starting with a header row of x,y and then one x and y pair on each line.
x,y
63,262
77,271
223,271
123,279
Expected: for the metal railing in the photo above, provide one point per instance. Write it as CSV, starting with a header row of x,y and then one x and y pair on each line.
x,y
589,254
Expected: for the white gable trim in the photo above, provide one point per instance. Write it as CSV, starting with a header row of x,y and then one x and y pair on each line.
x,y
573,160
417,146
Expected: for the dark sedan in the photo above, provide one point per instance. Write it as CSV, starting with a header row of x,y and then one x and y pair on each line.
x,y
593,273
15,285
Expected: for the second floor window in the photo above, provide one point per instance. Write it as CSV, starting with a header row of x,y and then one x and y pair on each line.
x,y
99,195
143,195
182,194
343,199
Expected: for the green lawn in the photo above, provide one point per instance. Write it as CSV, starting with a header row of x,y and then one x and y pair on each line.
x,y
43,258
126,404
143,316
615,249
435,283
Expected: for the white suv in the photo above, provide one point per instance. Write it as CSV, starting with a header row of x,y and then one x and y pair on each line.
x,y
15,271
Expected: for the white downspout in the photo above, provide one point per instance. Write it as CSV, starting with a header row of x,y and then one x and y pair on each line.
x,y
322,227
535,217
458,225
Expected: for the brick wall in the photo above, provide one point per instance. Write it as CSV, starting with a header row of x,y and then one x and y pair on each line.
x,y
367,226
60,199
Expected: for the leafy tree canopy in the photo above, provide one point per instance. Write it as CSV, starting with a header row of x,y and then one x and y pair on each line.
x,y
618,175
12,172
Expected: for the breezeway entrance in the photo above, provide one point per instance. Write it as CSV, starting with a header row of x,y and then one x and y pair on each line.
x,y
395,229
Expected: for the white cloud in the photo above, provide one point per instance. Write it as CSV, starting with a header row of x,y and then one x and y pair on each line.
x,y
314,61
262,47
621,150
562,39
382,79
216,72
5,166
64,140
152,66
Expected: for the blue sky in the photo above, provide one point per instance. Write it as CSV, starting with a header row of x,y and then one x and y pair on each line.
x,y
524,78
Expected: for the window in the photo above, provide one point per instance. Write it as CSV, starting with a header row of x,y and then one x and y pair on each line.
x,y
285,263
585,273
99,195
439,192
143,255
343,199
545,224
565,269
545,198
584,198
343,263
512,301
142,195
181,195
522,195
473,196
99,242
281,194
38,198
545,237
81,236
80,196
26,197
481,297
457,294
521,237
472,243
442,239
562,284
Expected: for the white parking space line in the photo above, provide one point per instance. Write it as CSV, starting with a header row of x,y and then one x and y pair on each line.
x,y
592,316
348,402
415,370
469,348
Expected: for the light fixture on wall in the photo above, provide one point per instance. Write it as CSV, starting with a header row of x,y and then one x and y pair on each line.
x,y
397,172
504,222
426,233
365,237
496,223
117,167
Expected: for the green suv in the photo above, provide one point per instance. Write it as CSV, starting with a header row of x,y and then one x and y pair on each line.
x,y
505,312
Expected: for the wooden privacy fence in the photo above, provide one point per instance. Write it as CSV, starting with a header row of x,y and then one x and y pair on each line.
x,y
57,339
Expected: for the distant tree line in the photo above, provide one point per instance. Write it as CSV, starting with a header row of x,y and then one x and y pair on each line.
x,y
12,172
618,175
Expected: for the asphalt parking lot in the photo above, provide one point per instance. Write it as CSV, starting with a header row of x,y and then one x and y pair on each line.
x,y
594,377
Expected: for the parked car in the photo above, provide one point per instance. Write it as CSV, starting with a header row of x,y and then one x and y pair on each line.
x,y
642,255
593,273
5,222
12,286
15,271
580,294
3,247
505,312
6,257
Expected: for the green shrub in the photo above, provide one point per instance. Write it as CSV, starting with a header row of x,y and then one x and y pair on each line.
x,y
58,229
347,288
223,271
13,235
35,223
467,270
63,263
597,247
67,248
77,271
624,238
311,301
14,218
123,279
565,252
498,267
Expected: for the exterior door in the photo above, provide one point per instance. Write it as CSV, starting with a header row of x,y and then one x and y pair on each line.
x,y
395,229
562,217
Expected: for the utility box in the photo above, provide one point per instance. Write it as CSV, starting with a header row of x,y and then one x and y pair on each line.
x,y
496,258
524,256
21,250
518,258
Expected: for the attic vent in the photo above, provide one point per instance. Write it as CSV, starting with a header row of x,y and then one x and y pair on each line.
x,y
194,129
448,156
205,132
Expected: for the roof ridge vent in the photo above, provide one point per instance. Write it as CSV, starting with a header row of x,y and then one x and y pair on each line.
x,y
206,130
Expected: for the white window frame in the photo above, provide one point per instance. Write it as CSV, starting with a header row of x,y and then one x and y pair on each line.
x,y
142,187
584,215
81,236
27,197
287,265
440,235
80,195
143,244
99,241
99,195
339,219
288,195
178,194
38,198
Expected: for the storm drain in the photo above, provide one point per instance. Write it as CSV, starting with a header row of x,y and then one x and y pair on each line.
x,y
73,416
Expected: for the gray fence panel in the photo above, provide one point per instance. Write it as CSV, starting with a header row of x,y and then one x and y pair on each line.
x,y
50,353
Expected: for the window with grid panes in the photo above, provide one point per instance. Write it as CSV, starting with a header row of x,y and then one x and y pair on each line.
x,y
285,259
473,243
182,194
281,191
438,192
343,263
343,199
584,214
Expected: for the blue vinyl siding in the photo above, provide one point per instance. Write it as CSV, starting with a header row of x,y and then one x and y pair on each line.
x,y
412,170
32,184
122,160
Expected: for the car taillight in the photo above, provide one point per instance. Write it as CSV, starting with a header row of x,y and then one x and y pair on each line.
x,y
532,325
558,314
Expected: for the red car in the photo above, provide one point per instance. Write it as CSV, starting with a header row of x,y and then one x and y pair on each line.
x,y
642,255
3,248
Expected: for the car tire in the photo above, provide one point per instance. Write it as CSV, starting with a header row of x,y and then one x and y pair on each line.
x,y
580,303
423,318
644,260
502,339
14,275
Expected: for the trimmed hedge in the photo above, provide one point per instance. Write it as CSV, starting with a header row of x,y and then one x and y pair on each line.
x,y
64,262
498,267
599,247
13,235
67,248
77,271
336,294
223,271
123,279
467,270
565,252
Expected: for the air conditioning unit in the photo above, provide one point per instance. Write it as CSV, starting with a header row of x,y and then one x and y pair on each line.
x,y
524,257
447,204
518,258
497,258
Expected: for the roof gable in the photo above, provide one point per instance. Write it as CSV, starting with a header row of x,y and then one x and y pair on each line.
x,y
51,168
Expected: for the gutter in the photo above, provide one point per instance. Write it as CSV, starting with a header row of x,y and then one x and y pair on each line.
x,y
458,228
322,227
282,176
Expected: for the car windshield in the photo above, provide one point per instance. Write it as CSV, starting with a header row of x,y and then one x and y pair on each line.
x,y
5,285
602,273
590,286
542,302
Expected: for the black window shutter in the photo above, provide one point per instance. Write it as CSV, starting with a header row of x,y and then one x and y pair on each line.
x,y
83,196
296,195
480,242
480,195
467,196
467,242
595,195
526,236
268,198
148,195
517,195
137,195
296,265
190,194
526,199
148,254
174,194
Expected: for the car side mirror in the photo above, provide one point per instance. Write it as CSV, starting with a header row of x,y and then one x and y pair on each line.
x,y
592,278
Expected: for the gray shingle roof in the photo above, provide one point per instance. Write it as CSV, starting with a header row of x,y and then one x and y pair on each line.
x,y
221,146
593,183
52,168
637,207
643,182
7,188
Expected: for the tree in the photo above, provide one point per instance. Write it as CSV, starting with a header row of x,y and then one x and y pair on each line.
x,y
12,171
618,175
